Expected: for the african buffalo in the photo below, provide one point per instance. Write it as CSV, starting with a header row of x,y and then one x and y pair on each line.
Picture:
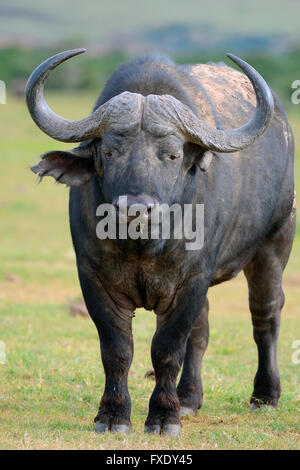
x,y
163,133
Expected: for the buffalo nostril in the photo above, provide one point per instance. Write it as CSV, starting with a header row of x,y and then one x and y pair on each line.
x,y
132,206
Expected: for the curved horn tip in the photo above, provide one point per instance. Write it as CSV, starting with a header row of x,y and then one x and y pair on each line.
x,y
50,123
79,50
236,59
65,55
51,63
239,138
231,56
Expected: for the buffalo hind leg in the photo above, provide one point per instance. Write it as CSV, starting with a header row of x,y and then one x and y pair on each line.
x,y
116,342
189,389
266,299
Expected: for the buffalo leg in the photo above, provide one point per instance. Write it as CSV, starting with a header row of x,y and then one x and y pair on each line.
x,y
266,299
116,342
189,389
167,353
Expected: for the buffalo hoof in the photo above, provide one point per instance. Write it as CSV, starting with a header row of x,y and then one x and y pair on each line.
x,y
262,407
153,429
186,411
171,430
101,428
120,428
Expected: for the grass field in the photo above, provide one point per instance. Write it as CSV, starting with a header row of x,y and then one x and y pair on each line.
x,y
50,385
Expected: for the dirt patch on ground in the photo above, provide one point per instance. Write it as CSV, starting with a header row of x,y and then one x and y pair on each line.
x,y
21,292
293,281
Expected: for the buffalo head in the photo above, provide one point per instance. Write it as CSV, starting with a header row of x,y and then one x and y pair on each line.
x,y
144,147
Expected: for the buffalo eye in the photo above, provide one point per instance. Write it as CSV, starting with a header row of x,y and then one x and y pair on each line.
x,y
108,154
173,157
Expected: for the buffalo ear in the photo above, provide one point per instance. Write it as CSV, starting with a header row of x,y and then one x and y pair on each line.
x,y
66,167
200,156
205,160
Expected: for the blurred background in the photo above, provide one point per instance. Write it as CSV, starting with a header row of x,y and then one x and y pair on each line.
x,y
50,382
265,33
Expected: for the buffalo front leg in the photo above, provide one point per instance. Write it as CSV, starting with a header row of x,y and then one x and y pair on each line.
x,y
116,344
189,389
266,299
167,353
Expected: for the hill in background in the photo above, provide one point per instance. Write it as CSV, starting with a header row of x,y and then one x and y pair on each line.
x,y
138,26
265,33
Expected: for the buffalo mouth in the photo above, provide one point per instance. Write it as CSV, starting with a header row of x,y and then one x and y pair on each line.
x,y
141,224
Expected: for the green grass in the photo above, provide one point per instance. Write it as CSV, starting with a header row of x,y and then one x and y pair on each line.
x,y
51,383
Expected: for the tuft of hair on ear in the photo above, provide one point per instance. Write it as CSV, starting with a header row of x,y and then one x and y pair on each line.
x,y
39,178
65,168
